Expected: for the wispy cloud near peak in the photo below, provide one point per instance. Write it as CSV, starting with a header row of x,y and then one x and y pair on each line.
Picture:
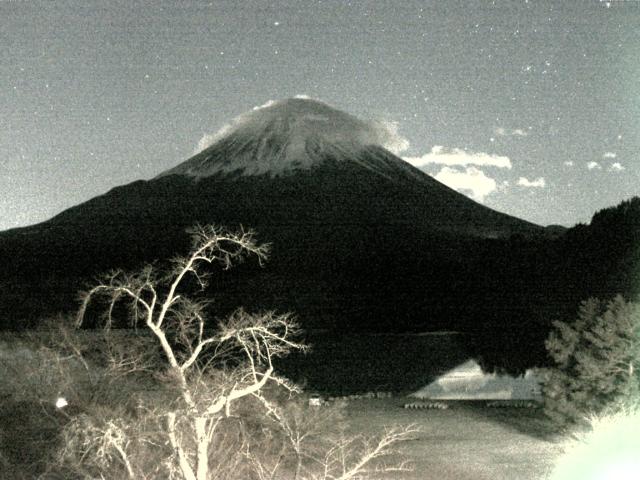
x,y
456,156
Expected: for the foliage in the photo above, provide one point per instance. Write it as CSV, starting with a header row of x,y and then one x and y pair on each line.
x,y
596,360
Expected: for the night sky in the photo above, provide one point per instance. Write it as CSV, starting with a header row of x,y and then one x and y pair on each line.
x,y
532,108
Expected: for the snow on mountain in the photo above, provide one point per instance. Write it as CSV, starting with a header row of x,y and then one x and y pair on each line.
x,y
287,135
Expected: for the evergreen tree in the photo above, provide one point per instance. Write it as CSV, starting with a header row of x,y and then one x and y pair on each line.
x,y
597,360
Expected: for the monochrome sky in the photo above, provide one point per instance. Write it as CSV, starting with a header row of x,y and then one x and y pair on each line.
x,y
530,107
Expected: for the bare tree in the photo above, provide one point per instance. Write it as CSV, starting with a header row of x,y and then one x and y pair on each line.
x,y
212,371
161,306
324,451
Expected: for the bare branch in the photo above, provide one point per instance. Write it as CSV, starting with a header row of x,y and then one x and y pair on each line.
x,y
212,374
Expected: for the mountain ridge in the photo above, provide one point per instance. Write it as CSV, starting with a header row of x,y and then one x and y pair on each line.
x,y
361,239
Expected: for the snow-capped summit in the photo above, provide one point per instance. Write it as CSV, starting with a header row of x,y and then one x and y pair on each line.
x,y
299,158
287,135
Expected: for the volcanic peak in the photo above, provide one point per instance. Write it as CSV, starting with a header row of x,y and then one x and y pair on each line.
x,y
287,135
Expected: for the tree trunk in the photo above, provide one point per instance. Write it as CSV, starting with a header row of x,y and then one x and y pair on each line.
x,y
202,448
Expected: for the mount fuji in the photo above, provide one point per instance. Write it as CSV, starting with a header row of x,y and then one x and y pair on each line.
x,y
360,238
309,140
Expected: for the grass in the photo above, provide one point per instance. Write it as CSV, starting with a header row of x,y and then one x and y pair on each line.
x,y
28,437
465,442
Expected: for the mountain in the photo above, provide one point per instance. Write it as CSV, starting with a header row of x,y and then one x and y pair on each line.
x,y
361,240
333,154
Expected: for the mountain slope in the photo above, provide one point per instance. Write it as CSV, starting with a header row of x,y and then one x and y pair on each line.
x,y
361,239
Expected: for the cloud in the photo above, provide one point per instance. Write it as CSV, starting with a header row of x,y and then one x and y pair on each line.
x,y
316,117
209,139
516,132
616,167
609,155
594,166
472,181
568,163
537,183
264,105
389,137
206,140
503,187
457,156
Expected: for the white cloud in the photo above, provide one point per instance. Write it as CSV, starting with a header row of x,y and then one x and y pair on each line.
x,y
503,132
318,117
594,166
537,183
389,137
616,167
609,155
457,156
264,105
209,139
204,142
568,163
472,181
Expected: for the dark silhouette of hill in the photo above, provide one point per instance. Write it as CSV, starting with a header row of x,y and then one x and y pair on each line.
x,y
600,260
338,232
